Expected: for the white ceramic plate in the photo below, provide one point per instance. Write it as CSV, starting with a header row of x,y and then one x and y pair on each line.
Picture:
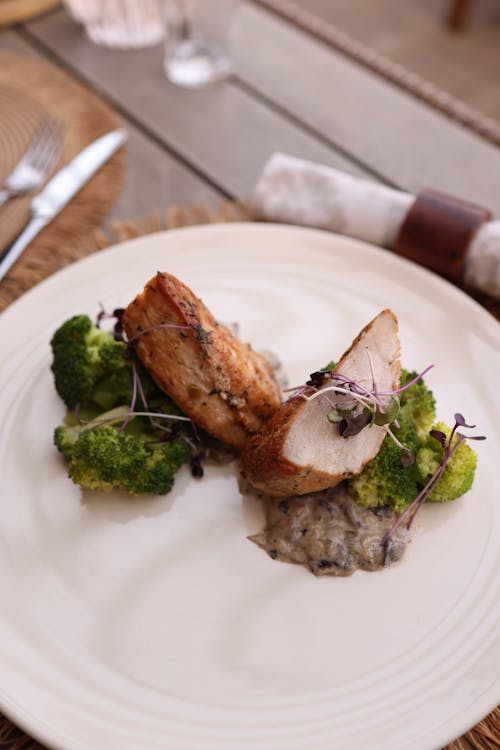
x,y
154,623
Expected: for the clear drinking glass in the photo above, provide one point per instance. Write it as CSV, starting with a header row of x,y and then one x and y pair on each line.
x,y
197,35
122,24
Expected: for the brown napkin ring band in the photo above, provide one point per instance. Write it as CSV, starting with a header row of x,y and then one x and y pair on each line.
x,y
437,232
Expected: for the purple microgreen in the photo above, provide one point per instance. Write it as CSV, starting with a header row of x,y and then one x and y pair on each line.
x,y
439,436
408,385
125,414
119,413
414,506
295,388
103,314
350,426
155,328
118,331
199,453
299,392
316,379
372,371
135,388
341,390
154,424
460,421
372,402
197,459
449,445
160,415
396,440
141,391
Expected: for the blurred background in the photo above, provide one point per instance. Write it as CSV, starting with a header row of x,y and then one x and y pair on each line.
x,y
455,44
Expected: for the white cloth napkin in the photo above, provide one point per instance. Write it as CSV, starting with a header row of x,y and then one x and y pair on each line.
x,y
295,191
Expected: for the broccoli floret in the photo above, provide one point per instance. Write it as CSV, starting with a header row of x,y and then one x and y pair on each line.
x,y
96,373
103,458
418,404
65,438
329,367
117,387
82,356
385,481
91,368
458,475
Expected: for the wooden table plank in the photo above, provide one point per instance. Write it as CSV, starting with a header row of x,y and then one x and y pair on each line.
x,y
223,131
406,141
154,177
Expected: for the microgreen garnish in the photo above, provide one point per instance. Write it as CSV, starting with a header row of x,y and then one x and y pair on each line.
x,y
155,328
127,414
120,412
316,379
449,445
364,407
198,452
350,426
118,331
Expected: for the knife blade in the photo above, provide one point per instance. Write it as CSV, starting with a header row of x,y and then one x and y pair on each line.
x,y
58,192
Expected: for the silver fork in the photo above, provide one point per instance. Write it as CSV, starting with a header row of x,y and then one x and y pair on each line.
x,y
36,162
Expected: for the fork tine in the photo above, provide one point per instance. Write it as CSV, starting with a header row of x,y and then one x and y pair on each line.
x,y
48,150
33,168
37,139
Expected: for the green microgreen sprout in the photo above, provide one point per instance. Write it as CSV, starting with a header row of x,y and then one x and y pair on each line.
x,y
365,406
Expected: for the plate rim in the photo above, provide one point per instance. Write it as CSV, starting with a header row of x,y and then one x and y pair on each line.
x,y
21,716
257,227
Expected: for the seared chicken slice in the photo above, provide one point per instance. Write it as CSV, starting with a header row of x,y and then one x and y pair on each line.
x,y
219,382
299,450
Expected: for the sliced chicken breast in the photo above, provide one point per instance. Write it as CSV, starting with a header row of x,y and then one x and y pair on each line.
x,y
299,450
218,381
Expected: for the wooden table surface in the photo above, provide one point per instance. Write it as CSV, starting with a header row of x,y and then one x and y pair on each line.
x,y
289,93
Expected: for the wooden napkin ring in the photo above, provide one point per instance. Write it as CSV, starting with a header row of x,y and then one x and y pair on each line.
x,y
437,232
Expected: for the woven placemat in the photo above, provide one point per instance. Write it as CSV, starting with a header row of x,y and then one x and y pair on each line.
x,y
21,116
298,14
15,11
29,89
486,734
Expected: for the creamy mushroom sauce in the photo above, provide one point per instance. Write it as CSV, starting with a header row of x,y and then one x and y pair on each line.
x,y
330,533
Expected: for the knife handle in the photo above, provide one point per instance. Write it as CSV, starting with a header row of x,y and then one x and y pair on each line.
x,y
20,244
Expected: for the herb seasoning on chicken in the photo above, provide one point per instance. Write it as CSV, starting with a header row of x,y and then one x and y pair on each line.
x,y
224,386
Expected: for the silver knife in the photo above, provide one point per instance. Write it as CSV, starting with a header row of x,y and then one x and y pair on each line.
x,y
61,189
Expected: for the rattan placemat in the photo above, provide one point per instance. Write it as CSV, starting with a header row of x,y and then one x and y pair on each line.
x,y
486,734
15,11
29,89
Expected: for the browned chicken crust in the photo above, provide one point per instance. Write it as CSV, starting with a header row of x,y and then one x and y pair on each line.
x,y
297,451
217,380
